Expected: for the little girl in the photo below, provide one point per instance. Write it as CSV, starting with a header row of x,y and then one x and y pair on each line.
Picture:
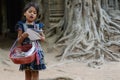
x,y
30,13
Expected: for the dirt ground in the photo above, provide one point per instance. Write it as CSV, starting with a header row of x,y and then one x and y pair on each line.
x,y
59,70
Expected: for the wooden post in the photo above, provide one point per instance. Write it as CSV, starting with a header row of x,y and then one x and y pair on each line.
x,y
4,20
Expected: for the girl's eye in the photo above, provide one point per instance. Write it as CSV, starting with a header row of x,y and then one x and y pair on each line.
x,y
30,11
35,13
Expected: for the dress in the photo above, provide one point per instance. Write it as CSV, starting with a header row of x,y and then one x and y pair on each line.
x,y
33,65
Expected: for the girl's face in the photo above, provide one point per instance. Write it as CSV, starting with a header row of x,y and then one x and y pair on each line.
x,y
30,14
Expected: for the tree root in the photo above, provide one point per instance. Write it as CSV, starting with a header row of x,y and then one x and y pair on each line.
x,y
89,33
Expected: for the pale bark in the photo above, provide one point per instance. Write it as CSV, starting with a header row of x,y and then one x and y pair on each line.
x,y
87,31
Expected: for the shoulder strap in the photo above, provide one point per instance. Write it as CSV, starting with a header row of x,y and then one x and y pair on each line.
x,y
37,26
24,26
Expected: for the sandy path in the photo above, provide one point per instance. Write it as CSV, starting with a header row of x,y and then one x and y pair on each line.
x,y
71,69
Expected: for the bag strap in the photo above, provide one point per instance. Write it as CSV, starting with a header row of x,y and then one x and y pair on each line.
x,y
36,26
24,26
13,46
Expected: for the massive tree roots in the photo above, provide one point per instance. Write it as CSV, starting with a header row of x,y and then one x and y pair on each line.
x,y
88,32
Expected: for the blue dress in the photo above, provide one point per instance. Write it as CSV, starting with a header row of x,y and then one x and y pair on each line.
x,y
33,65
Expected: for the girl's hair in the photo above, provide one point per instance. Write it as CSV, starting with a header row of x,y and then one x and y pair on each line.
x,y
31,4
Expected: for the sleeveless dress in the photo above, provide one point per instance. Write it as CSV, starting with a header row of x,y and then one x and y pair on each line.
x,y
33,65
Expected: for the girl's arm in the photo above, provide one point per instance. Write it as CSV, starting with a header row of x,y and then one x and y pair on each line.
x,y
21,36
42,36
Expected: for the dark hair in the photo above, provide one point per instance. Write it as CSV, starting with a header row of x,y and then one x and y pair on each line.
x,y
31,4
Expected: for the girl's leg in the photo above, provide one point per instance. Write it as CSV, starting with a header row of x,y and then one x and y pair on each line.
x,y
35,75
28,75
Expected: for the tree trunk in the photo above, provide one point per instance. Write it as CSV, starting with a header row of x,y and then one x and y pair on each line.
x,y
104,4
88,31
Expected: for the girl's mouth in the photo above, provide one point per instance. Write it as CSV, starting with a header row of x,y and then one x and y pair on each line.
x,y
31,16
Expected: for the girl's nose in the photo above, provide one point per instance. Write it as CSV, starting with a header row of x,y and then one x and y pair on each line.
x,y
32,13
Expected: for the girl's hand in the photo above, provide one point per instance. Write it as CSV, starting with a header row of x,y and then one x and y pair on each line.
x,y
21,36
24,35
42,38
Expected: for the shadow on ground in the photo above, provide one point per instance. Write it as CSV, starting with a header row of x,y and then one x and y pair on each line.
x,y
59,78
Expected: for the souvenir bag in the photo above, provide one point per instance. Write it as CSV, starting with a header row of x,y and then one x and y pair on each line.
x,y
23,54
